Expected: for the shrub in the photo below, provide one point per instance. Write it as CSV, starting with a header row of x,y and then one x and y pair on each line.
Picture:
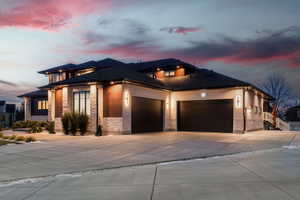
x,y
12,137
35,129
83,122
20,138
30,139
0,127
65,120
51,128
1,135
5,137
74,123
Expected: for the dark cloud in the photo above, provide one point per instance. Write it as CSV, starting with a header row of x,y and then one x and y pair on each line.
x,y
181,30
7,83
282,45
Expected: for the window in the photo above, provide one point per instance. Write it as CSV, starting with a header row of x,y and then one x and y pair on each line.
x,y
42,105
169,73
55,77
298,113
81,102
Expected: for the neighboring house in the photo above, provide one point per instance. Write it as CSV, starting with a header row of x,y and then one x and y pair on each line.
x,y
36,105
152,96
7,114
293,117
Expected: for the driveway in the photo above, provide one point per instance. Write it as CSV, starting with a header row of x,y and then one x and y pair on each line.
x,y
67,154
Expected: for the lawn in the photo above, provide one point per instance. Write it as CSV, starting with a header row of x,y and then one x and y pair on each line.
x,y
3,142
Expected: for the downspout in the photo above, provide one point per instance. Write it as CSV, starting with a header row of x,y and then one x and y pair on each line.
x,y
244,112
97,113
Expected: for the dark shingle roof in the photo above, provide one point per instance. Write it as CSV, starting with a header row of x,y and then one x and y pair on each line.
x,y
108,62
111,74
37,93
151,65
200,79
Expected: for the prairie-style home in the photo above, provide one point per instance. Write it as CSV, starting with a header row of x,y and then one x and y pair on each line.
x,y
160,95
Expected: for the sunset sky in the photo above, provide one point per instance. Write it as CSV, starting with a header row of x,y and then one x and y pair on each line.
x,y
246,39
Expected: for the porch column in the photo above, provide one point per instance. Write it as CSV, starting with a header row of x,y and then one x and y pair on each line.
x,y
27,108
94,106
51,105
66,100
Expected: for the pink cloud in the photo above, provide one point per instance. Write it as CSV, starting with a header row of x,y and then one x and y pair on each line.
x,y
181,30
49,14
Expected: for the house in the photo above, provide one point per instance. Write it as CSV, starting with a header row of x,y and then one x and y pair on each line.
x,y
152,96
292,115
7,114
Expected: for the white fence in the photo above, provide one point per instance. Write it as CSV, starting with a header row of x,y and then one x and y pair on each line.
x,y
279,122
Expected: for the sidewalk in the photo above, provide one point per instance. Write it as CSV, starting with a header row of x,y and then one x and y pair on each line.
x,y
266,174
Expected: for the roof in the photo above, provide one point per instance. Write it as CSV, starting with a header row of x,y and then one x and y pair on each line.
x,y
200,79
108,62
36,93
110,74
151,65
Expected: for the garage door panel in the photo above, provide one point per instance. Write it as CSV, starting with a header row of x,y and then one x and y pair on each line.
x,y
147,115
205,115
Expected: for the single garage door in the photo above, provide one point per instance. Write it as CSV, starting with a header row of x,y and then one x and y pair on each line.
x,y
205,115
147,115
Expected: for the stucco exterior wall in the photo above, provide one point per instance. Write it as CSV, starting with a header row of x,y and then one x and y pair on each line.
x,y
130,90
210,94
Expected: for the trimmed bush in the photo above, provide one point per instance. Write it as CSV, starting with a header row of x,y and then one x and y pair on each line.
x,y
65,120
35,129
83,122
74,123
12,137
20,138
1,135
51,128
30,139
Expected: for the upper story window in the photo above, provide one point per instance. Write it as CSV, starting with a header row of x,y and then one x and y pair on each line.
x,y
81,102
169,73
55,77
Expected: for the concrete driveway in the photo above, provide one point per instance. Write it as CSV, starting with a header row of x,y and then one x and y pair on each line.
x,y
66,154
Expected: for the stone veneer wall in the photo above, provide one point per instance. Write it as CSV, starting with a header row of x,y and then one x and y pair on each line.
x,y
112,125
254,111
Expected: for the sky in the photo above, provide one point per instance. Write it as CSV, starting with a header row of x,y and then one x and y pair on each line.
x,y
245,39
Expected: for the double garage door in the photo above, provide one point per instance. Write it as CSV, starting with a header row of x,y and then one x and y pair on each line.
x,y
200,115
205,115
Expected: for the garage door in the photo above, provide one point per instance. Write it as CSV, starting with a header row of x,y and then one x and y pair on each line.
x,y
205,115
147,115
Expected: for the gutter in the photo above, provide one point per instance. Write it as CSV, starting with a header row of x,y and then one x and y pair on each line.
x,y
244,112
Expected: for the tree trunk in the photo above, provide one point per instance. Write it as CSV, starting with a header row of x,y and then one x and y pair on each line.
x,y
275,115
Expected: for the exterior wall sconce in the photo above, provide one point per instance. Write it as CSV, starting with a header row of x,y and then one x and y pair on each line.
x,y
126,98
111,82
238,101
203,94
177,67
167,103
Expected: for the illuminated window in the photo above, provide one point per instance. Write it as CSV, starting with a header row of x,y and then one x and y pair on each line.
x,y
42,104
81,102
169,73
